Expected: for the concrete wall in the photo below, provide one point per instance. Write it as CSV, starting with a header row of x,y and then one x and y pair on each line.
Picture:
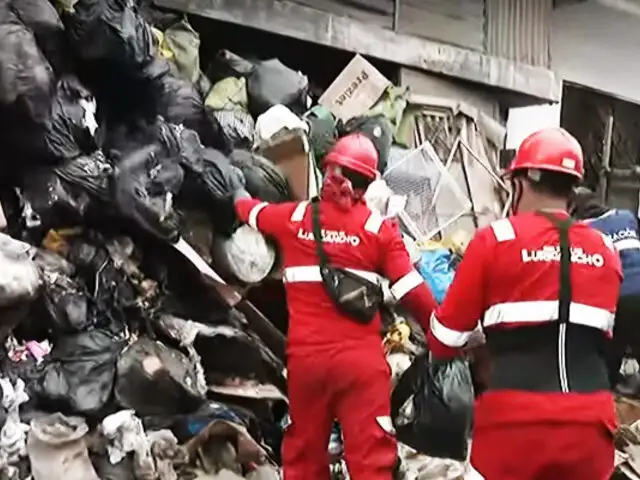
x,y
598,46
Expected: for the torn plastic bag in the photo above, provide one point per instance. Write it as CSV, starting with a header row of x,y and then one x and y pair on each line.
x,y
154,379
435,266
432,407
79,375
263,179
109,31
64,298
69,132
210,185
377,128
272,83
236,125
26,82
225,351
178,101
145,185
184,43
20,280
41,18
246,255
63,196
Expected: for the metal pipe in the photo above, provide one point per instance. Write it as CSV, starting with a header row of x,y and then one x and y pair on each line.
x,y
396,15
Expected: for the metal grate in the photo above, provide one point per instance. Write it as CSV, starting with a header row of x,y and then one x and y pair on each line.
x,y
434,200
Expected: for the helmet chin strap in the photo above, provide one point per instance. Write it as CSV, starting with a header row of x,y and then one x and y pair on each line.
x,y
516,188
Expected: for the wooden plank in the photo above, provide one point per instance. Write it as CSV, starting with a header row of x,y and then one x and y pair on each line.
x,y
458,22
305,23
379,12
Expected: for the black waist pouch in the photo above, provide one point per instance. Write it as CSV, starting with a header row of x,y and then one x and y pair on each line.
x,y
355,296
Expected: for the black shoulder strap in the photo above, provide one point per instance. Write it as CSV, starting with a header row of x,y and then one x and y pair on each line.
x,y
317,232
565,294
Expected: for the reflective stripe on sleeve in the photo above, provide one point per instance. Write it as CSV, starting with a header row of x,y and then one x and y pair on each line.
x,y
311,273
627,244
448,336
405,284
373,223
298,212
547,311
253,214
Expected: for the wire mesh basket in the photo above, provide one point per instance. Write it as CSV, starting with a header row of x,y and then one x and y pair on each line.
x,y
434,199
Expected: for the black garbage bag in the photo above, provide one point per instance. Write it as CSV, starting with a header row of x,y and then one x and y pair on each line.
x,y
65,298
432,407
378,129
211,184
145,186
178,101
69,131
157,16
263,180
237,126
322,131
272,83
41,18
26,85
110,31
64,196
113,297
154,379
228,64
79,375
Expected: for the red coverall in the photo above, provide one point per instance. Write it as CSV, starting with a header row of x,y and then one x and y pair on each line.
x,y
336,367
509,280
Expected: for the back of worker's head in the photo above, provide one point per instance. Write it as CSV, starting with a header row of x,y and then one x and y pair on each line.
x,y
546,169
349,168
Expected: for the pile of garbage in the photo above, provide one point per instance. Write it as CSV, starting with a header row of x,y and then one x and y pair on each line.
x,y
127,348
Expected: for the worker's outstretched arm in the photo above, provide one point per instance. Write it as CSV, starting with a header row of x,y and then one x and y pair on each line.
x,y
407,285
268,218
453,322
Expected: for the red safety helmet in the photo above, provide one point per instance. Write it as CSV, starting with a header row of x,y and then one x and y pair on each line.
x,y
354,152
550,149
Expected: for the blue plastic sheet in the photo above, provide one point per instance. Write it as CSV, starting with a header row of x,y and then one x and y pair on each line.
x,y
436,267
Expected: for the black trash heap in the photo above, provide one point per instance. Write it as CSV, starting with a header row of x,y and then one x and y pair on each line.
x,y
119,359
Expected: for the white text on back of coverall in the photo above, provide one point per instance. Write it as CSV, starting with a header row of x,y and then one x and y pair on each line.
x,y
331,236
550,253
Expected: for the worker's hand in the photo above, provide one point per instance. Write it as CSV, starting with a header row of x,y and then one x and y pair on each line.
x,y
240,193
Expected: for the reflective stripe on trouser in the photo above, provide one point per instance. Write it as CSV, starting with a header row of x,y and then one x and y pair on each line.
x,y
353,386
543,451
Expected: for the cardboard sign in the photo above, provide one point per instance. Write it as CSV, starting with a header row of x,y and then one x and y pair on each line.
x,y
357,88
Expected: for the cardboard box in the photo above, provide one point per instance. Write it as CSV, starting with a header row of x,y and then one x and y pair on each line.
x,y
289,150
358,87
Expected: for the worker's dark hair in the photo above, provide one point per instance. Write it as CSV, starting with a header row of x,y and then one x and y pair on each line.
x,y
557,184
586,204
358,181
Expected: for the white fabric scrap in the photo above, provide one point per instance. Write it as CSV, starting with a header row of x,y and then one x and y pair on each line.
x,y
125,434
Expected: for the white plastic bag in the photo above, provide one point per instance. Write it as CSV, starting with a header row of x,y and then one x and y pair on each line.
x,y
20,279
246,255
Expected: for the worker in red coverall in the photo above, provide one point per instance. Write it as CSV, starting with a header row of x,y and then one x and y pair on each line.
x,y
547,413
336,367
